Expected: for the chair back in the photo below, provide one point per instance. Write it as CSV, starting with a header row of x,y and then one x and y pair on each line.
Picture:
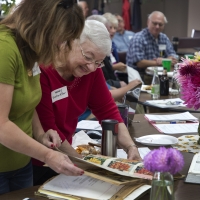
x,y
195,33
131,99
122,57
187,42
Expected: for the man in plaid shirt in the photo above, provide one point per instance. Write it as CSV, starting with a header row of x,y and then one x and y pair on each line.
x,y
149,46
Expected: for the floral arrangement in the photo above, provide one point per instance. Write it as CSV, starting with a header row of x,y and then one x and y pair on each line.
x,y
189,79
164,160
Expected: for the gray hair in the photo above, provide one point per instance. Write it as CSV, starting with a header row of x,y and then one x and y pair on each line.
x,y
99,18
111,18
159,13
97,33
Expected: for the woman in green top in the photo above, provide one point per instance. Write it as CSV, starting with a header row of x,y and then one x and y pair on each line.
x,y
35,32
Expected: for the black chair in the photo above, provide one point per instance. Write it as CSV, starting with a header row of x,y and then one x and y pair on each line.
x,y
195,33
122,57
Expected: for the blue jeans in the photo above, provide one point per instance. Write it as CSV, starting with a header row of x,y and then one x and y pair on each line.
x,y
17,179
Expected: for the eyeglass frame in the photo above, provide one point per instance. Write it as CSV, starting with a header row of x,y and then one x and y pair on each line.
x,y
92,61
157,23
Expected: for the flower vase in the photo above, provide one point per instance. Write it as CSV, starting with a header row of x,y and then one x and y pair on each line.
x,y
162,186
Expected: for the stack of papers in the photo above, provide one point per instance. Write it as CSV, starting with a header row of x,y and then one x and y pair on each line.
x,y
174,123
167,103
180,117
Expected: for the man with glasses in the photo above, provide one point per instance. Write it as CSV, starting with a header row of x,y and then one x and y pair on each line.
x,y
149,46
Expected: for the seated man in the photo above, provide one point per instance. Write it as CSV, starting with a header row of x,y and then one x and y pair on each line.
x,y
149,46
122,37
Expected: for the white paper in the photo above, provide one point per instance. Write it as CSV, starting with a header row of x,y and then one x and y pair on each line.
x,y
143,151
177,128
81,138
138,192
83,186
195,165
121,153
89,125
162,103
186,116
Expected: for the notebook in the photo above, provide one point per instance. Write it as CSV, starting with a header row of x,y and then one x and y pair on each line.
x,y
193,175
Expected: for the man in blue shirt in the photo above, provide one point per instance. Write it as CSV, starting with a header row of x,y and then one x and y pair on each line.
x,y
122,37
149,46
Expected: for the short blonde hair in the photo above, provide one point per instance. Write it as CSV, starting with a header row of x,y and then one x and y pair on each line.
x,y
111,18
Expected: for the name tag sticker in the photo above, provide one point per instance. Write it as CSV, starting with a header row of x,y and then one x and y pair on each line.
x,y
59,94
130,37
36,69
162,47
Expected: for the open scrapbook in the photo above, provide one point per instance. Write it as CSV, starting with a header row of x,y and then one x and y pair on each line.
x,y
104,178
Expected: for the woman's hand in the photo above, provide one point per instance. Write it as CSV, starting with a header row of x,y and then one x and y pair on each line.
x,y
133,153
60,163
50,139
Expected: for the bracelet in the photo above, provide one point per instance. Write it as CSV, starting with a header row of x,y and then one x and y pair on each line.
x,y
132,145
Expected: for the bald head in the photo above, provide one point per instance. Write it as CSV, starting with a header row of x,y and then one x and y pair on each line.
x,y
156,23
84,6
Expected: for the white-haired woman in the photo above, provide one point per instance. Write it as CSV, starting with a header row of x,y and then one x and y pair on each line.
x,y
68,90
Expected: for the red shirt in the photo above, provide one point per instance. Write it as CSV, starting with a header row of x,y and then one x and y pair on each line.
x,y
88,91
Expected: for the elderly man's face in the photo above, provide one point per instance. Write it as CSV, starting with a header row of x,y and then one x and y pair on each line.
x,y
84,59
156,24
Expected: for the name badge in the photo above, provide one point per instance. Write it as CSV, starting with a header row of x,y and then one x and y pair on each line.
x,y
36,69
130,37
162,47
58,94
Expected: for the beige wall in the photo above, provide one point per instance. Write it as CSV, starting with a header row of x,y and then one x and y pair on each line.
x,y
182,15
193,16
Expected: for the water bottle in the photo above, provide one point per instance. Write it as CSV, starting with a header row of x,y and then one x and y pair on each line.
x,y
109,137
155,90
175,88
164,84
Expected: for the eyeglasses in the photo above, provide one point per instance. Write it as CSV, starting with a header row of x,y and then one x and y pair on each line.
x,y
157,23
91,60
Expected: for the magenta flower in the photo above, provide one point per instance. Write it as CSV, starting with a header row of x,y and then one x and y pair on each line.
x,y
164,160
189,80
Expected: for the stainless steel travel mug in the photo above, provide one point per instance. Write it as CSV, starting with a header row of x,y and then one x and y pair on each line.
x,y
109,137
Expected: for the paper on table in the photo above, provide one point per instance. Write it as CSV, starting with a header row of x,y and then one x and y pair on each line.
x,y
138,192
81,138
89,125
177,128
162,103
83,186
186,116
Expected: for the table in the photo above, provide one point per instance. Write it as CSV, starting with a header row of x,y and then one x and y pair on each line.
x,y
144,96
183,191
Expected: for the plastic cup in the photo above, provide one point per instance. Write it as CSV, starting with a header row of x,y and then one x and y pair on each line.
x,y
189,56
166,63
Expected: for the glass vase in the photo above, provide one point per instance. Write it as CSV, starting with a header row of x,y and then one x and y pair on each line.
x,y
162,186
